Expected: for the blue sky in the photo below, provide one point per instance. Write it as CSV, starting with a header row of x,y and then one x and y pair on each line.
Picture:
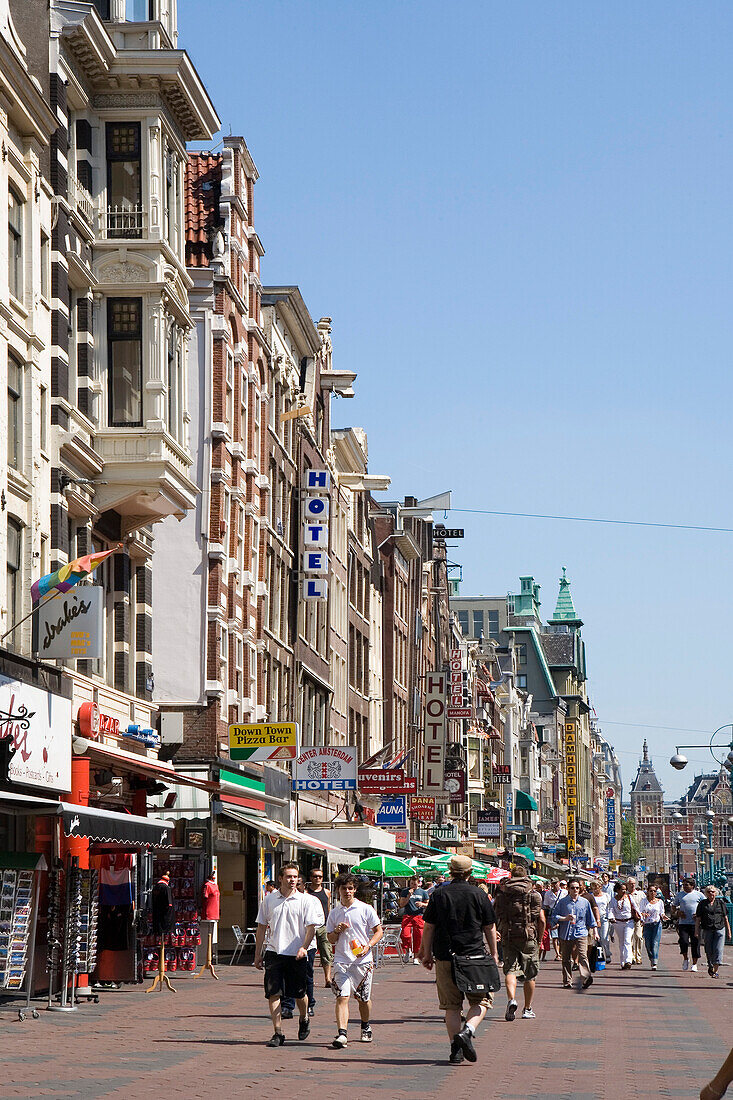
x,y
518,216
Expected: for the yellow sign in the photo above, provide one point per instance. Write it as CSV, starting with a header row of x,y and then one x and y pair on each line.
x,y
571,780
264,741
614,864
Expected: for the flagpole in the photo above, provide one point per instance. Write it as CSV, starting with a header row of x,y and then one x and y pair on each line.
x,y
46,599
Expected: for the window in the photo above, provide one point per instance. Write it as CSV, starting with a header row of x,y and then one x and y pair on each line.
x,y
44,418
139,11
15,244
102,7
463,622
15,413
124,362
493,617
478,624
522,681
175,382
522,653
45,266
124,180
13,597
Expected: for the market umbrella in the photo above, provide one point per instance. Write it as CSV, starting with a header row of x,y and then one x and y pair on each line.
x,y
384,865
496,874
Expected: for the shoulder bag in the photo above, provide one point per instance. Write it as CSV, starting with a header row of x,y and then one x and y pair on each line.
x,y
475,973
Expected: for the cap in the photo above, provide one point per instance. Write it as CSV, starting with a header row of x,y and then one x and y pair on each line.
x,y
460,864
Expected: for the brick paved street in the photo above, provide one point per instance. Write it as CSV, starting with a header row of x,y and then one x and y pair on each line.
x,y
635,1034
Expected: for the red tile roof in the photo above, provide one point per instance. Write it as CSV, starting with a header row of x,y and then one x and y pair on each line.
x,y
203,191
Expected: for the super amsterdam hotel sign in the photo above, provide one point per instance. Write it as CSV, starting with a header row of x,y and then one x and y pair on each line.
x,y
39,725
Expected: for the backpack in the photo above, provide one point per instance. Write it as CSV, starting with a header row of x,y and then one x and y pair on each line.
x,y
515,912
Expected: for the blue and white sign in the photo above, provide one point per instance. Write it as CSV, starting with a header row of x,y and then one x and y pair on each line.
x,y
393,812
325,768
509,807
610,817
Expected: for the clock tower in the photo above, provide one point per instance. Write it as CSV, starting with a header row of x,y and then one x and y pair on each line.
x,y
647,811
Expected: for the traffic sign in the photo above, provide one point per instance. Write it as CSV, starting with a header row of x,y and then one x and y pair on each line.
x,y
263,741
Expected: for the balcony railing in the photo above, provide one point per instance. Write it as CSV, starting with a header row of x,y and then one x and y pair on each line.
x,y
80,198
122,222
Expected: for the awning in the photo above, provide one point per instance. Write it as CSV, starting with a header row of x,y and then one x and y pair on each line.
x,y
526,853
269,827
524,801
143,764
106,825
93,823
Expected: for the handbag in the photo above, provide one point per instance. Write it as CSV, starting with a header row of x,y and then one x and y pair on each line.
x,y
475,974
593,958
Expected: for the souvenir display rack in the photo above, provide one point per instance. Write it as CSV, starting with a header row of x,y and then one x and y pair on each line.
x,y
182,942
72,930
19,890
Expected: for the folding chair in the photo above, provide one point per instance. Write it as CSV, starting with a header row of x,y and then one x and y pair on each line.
x,y
241,943
391,938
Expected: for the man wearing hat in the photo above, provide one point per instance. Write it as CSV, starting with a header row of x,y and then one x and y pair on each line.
x,y
457,919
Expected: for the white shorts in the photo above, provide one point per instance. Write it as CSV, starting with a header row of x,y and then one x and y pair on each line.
x,y
355,978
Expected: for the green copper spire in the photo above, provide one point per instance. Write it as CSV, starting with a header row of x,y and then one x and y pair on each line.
x,y
564,611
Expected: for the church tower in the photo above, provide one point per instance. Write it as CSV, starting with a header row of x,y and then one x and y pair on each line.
x,y
647,811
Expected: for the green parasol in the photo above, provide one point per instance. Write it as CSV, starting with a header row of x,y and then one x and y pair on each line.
x,y
384,865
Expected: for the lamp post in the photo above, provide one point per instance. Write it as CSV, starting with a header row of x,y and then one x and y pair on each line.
x,y
676,839
710,851
678,761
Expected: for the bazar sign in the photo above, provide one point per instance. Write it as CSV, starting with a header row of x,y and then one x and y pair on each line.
x,y
264,741
72,628
435,732
422,809
92,722
325,768
39,725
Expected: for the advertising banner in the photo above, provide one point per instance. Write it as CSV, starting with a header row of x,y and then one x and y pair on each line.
x,y
422,809
502,773
610,817
448,833
380,780
436,722
488,823
393,812
39,725
455,784
71,626
325,768
264,741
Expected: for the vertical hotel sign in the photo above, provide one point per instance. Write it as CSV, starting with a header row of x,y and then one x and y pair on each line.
x,y
436,720
571,780
316,506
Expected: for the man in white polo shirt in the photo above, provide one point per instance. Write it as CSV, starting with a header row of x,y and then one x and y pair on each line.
x,y
288,919
354,928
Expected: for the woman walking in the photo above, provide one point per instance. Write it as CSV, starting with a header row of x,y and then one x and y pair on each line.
x,y
652,911
712,919
623,913
602,899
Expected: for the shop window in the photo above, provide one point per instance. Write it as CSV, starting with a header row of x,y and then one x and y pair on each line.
x,y
16,379
125,366
15,244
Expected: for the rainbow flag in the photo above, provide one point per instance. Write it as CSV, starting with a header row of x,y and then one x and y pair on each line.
x,y
69,575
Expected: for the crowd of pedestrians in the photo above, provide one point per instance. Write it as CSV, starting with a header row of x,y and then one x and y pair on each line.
x,y
457,929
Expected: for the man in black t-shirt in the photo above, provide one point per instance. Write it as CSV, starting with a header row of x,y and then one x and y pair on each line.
x,y
457,919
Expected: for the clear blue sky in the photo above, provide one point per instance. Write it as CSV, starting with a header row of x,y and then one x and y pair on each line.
x,y
518,216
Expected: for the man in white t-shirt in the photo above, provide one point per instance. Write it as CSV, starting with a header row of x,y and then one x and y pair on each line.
x,y
354,928
288,919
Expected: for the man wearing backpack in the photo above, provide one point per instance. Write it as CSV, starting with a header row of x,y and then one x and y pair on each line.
x,y
521,921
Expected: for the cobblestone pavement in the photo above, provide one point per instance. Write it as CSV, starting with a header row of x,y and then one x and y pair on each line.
x,y
634,1034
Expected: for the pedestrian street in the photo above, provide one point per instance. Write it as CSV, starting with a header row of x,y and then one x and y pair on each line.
x,y
633,1034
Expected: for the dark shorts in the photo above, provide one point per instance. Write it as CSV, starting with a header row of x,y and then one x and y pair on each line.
x,y
285,976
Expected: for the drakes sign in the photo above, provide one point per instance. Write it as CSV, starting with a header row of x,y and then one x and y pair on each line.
x,y
72,626
39,725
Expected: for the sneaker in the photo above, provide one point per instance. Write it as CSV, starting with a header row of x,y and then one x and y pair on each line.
x,y
685,964
340,1041
465,1038
511,1011
311,1010
304,1028
528,1014
715,974
710,970
654,966
456,1053
588,981
694,968
366,1034
415,961
278,1040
